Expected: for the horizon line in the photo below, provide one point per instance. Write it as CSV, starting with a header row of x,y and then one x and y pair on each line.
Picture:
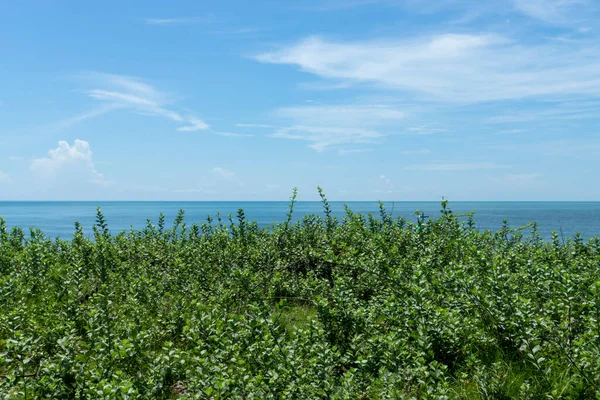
x,y
298,201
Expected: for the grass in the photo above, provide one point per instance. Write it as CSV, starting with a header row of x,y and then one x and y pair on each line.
x,y
297,317
365,307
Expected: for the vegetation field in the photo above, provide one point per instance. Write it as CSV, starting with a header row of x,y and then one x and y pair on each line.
x,y
367,307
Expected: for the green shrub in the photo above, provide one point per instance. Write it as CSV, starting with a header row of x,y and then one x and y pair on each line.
x,y
361,307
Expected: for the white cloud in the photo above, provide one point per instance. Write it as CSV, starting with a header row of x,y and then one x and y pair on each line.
x,y
272,186
119,92
552,11
553,148
4,177
144,188
367,150
226,174
254,125
387,191
420,151
323,137
250,31
218,181
336,5
67,122
424,129
326,126
190,191
231,134
124,99
15,158
453,167
176,21
348,115
579,110
354,151
520,180
512,131
453,67
385,184
72,160
195,125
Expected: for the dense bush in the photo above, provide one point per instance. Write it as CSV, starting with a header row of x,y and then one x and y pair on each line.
x,y
365,307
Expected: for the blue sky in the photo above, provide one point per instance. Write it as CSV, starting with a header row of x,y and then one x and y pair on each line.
x,y
239,100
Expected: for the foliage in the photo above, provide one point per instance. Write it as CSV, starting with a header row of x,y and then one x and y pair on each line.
x,y
361,307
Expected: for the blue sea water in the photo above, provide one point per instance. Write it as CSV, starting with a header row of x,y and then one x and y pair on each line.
x,y
57,219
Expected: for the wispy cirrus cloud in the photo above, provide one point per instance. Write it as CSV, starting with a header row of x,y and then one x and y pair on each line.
x,y
272,186
214,182
419,151
240,32
559,12
325,126
144,188
452,67
518,180
424,129
336,5
580,147
512,131
194,190
4,177
195,124
224,173
555,11
67,122
579,110
226,177
454,166
254,125
323,137
350,114
120,92
178,21
232,134
384,185
211,24
354,151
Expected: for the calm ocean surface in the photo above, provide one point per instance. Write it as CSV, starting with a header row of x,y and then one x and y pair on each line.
x,y
56,219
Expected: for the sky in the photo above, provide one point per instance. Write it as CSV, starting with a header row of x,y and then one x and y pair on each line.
x,y
239,100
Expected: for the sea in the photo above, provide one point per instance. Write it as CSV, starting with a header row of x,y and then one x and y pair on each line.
x,y
56,218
